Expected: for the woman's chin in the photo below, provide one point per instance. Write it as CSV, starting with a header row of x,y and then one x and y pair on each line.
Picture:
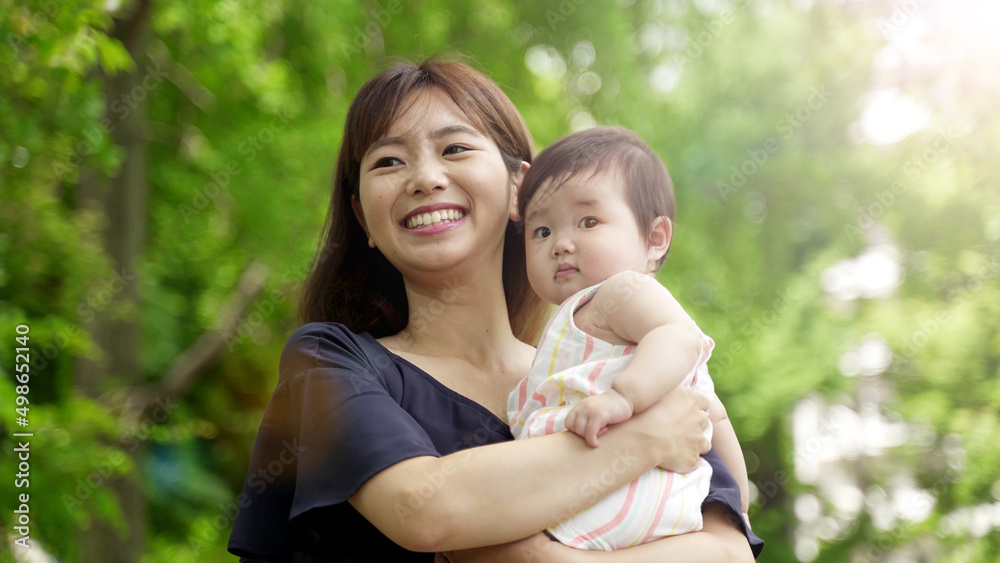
x,y
447,260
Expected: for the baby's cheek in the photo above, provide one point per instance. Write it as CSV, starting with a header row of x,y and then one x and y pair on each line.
x,y
595,277
537,284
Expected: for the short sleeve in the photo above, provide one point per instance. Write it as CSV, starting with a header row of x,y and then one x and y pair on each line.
x,y
724,489
331,424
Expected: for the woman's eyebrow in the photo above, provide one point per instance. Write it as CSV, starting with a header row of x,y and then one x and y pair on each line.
x,y
383,142
436,135
452,129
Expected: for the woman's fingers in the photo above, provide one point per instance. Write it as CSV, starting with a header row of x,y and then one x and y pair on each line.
x,y
680,420
706,444
701,402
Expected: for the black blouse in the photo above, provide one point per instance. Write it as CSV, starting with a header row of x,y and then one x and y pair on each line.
x,y
344,409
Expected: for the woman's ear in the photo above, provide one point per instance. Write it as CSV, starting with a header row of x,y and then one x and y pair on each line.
x,y
516,180
658,243
360,216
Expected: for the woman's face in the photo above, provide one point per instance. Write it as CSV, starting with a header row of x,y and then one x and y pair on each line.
x,y
434,191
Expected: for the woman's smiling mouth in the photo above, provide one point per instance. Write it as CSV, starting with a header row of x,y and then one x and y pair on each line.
x,y
434,218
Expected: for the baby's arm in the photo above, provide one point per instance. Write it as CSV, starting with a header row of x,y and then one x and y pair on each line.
x,y
637,309
727,445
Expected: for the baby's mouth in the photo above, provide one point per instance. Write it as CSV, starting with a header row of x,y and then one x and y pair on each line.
x,y
565,270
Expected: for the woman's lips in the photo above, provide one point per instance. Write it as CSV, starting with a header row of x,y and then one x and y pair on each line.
x,y
433,218
424,214
435,228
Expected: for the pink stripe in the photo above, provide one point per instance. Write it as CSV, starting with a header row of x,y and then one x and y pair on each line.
x,y
540,398
627,350
659,509
588,348
592,378
522,395
617,519
550,424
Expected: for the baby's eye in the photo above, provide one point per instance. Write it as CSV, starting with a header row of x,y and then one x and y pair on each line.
x,y
455,149
387,162
588,223
542,232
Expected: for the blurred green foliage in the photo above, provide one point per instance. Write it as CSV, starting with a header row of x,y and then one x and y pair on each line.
x,y
758,110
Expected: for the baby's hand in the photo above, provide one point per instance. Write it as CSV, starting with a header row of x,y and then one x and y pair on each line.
x,y
591,417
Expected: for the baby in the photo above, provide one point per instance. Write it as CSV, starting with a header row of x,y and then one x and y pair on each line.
x,y
598,212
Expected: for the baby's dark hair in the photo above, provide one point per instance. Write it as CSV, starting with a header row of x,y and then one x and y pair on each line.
x,y
648,189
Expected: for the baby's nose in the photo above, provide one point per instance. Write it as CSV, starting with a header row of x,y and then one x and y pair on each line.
x,y
563,245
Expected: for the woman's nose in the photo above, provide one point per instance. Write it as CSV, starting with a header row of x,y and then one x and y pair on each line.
x,y
428,175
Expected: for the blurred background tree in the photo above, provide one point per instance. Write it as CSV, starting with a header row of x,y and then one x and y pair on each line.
x,y
166,169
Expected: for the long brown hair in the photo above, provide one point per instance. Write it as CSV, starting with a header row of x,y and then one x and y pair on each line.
x,y
353,284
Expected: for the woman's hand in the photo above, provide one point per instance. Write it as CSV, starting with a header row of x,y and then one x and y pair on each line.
x,y
674,428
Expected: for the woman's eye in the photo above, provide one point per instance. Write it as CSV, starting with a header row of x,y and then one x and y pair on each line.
x,y
542,232
386,162
588,223
455,149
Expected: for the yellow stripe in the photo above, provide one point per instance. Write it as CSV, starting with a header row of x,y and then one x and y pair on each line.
x,y
561,382
652,513
555,348
681,511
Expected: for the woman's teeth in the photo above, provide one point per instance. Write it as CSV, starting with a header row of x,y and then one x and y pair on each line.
x,y
434,218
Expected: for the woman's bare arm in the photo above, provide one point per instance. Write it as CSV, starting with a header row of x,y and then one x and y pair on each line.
x,y
504,492
719,540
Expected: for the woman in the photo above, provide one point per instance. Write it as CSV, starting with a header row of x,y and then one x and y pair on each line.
x,y
365,451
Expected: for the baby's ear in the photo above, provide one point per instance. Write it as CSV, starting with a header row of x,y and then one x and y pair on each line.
x,y
658,243
517,178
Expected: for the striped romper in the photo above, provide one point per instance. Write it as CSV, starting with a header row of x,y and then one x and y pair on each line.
x,y
570,365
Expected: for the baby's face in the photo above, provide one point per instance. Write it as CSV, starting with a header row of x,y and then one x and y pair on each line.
x,y
580,234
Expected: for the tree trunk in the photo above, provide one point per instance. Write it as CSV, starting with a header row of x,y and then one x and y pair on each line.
x,y
124,202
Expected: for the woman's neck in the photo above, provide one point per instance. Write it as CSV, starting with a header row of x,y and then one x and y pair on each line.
x,y
463,316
